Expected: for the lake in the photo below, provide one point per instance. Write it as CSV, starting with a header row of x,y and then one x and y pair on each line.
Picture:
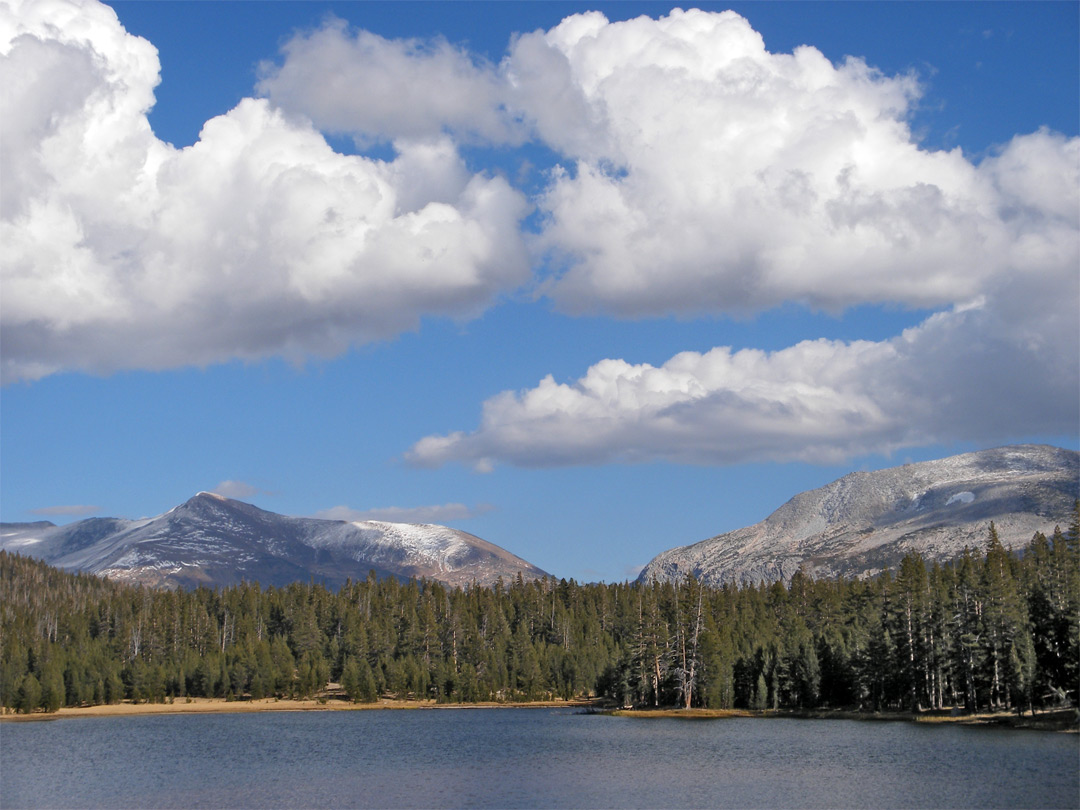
x,y
526,758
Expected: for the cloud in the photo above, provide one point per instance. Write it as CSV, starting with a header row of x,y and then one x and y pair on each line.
x,y
973,373
704,174
66,511
411,514
359,83
238,490
709,175
120,251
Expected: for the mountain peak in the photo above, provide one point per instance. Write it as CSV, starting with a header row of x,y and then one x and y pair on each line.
x,y
216,541
202,503
208,498
865,522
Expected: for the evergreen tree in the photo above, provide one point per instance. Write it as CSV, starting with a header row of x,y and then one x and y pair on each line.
x,y
761,693
994,630
1004,620
350,679
367,691
52,688
908,618
29,698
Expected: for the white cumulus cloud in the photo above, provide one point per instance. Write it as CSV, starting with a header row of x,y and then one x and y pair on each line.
x,y
239,490
964,374
704,174
360,83
710,175
118,250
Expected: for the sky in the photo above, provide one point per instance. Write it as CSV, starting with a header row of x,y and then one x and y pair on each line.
x,y
589,281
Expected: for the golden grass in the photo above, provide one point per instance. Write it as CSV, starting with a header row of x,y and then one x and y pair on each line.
x,y
222,706
684,713
1060,720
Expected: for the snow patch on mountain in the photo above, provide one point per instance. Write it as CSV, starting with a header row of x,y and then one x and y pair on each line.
x,y
438,545
15,540
961,497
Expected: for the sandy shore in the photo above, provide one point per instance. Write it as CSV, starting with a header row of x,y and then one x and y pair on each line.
x,y
222,706
1060,720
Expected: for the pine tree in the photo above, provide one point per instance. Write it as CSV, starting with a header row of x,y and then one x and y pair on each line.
x,y
1071,606
367,691
350,679
907,625
985,630
52,688
967,629
761,693
29,699
1004,620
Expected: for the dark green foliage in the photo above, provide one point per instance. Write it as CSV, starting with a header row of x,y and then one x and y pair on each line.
x,y
52,688
358,681
28,698
996,631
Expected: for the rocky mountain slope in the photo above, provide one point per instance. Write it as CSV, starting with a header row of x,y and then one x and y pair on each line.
x,y
211,540
867,521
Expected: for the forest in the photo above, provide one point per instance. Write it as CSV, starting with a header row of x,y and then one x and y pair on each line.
x,y
992,629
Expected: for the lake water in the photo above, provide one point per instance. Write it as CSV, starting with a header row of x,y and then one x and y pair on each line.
x,y
525,758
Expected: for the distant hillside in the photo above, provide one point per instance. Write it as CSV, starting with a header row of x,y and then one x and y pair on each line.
x,y
211,540
867,521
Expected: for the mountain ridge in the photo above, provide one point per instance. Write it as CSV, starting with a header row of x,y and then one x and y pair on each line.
x,y
865,522
213,540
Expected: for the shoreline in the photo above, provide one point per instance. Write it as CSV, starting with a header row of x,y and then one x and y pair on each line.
x,y
1063,720
222,706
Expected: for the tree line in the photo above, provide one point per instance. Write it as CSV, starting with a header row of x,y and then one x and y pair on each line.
x,y
989,630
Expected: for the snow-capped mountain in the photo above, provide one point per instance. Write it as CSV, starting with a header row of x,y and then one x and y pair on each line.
x,y
867,521
211,540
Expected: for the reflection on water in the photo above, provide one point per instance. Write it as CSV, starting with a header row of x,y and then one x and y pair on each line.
x,y
525,758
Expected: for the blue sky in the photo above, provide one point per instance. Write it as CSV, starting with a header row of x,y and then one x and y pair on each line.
x,y
586,286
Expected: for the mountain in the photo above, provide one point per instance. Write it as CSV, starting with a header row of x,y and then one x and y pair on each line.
x,y
215,541
867,521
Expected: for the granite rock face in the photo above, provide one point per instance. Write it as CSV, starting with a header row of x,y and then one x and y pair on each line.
x,y
215,541
867,521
